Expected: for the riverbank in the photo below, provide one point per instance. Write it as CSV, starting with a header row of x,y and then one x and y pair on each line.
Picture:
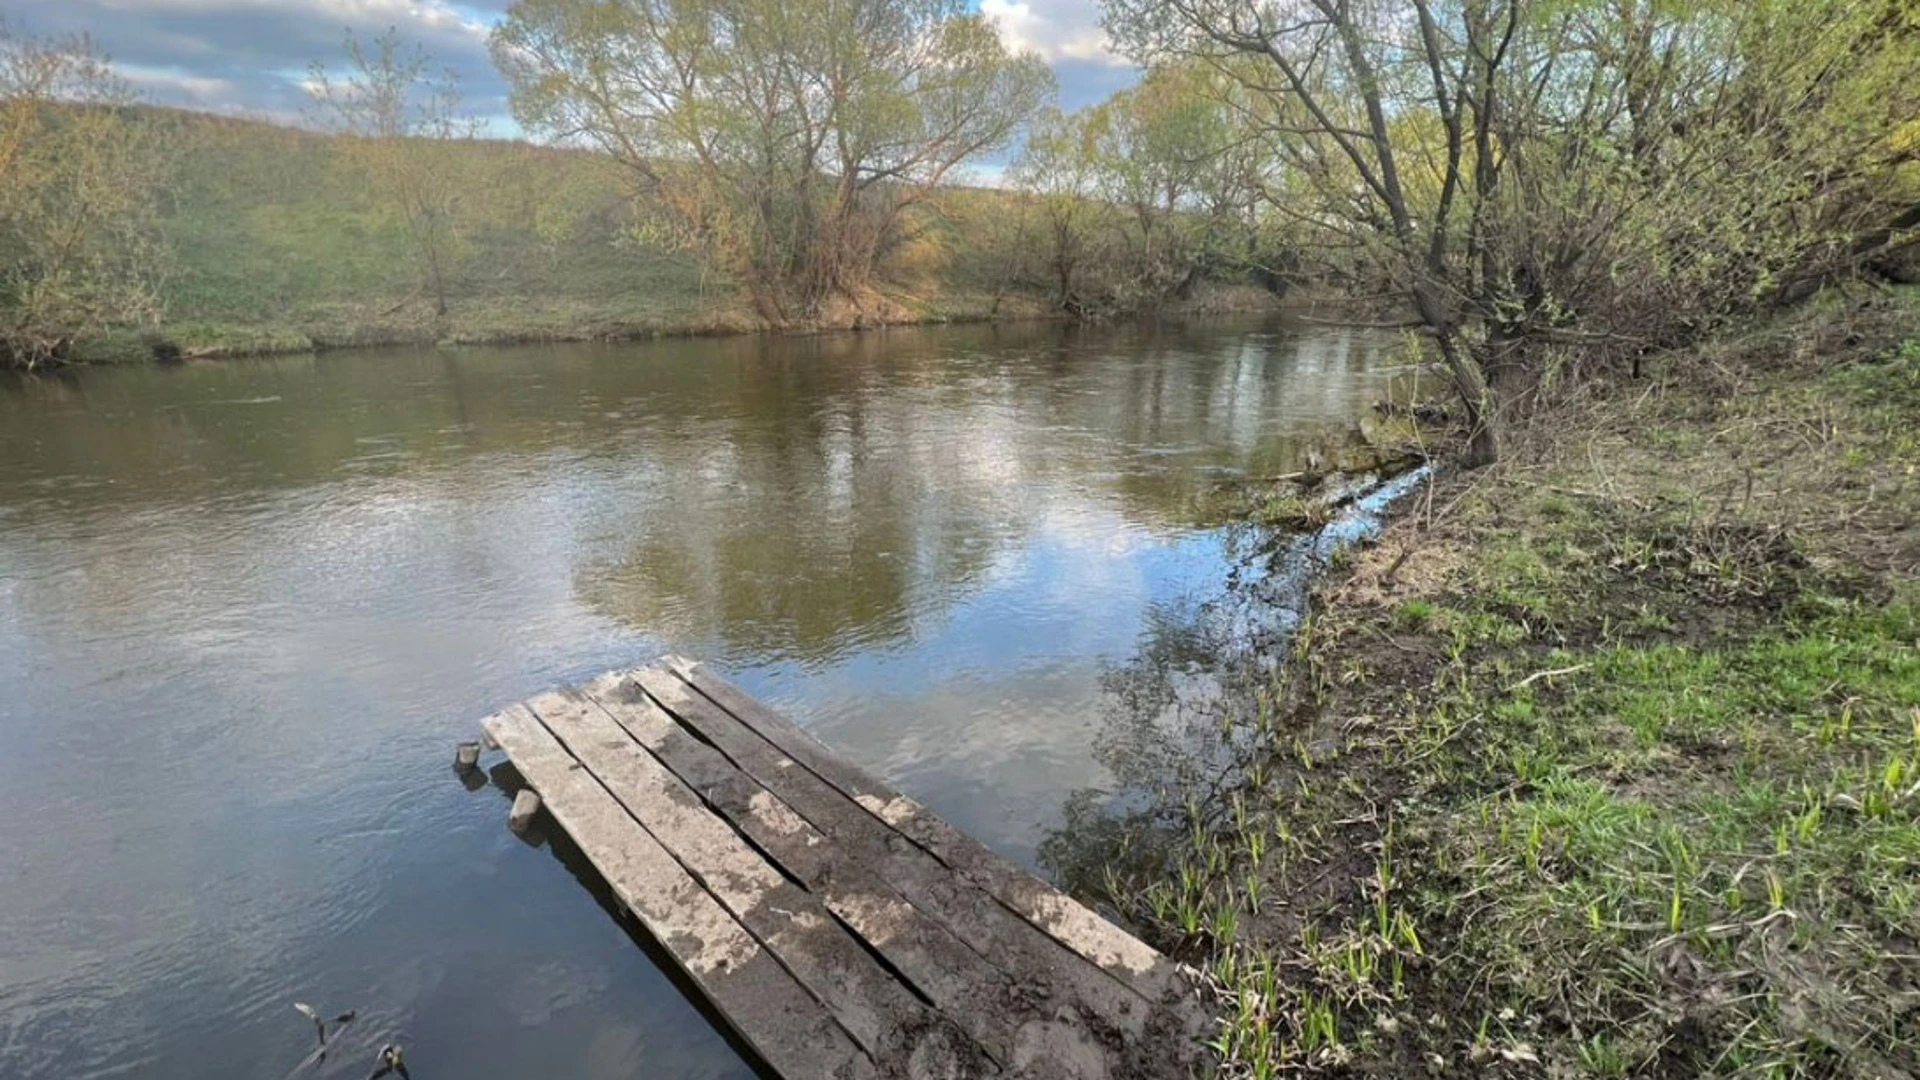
x,y
1602,762
516,320
277,242
530,320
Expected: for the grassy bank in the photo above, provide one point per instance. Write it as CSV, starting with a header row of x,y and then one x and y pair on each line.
x,y
1604,762
277,242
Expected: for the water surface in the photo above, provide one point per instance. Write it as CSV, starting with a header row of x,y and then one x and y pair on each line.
x,y
247,608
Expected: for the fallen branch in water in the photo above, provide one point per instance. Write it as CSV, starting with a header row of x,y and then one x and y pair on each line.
x,y
1363,324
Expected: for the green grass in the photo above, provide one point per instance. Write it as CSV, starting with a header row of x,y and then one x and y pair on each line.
x,y
278,242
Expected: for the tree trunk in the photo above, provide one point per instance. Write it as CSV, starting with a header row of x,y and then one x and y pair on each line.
x,y
1818,273
1469,379
1483,444
766,299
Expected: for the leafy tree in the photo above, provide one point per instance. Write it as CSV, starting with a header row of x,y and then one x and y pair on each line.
x,y
1059,171
1139,195
1348,79
79,174
1538,176
395,116
1159,145
784,140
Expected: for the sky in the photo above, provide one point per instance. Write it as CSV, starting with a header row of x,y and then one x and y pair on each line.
x,y
249,57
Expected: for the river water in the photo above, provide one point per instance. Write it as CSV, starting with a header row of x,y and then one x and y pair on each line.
x,y
247,608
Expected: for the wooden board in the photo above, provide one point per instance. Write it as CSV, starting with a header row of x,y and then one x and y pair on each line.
x,y
1030,957
1009,1004
784,1024
838,926
881,1014
1061,917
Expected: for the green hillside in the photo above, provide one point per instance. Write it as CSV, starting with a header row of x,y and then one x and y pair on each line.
x,y
277,242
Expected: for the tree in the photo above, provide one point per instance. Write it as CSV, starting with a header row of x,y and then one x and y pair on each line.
x,y
1655,170
1158,144
1353,79
396,118
1135,197
1059,172
1537,175
783,139
79,174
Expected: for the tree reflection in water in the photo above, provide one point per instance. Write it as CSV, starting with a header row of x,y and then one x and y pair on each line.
x,y
1196,714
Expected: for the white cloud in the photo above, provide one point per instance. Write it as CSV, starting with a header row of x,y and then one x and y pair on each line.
x,y
1056,29
434,15
178,85
250,56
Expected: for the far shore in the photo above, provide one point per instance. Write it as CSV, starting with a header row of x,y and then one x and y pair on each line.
x,y
496,322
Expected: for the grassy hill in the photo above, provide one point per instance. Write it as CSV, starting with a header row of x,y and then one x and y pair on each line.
x,y
277,243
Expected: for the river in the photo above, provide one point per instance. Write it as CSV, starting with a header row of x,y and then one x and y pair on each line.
x,y
247,608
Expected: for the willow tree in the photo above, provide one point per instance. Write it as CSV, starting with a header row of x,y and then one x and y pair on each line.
x,y
80,250
1374,102
1652,170
1059,175
397,118
782,139
1134,197
1540,176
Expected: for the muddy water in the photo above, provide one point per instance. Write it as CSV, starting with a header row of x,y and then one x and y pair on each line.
x,y
247,608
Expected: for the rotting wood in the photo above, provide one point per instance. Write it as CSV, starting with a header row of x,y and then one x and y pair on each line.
x,y
526,803
1088,996
1011,1008
1061,917
877,1010
785,1025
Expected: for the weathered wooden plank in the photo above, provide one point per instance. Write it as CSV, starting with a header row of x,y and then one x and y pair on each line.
x,y
896,1029
1079,996
1058,915
983,999
785,1025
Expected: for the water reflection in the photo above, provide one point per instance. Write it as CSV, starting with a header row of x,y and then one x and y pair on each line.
x,y
246,609
880,502
1190,715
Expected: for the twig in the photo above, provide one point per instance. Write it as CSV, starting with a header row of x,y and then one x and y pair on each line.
x,y
1358,324
1386,579
1449,737
1529,680
1583,493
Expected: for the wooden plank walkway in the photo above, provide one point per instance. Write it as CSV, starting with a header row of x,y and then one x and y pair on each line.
x,y
840,928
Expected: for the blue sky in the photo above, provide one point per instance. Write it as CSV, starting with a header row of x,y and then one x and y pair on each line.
x,y
249,56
